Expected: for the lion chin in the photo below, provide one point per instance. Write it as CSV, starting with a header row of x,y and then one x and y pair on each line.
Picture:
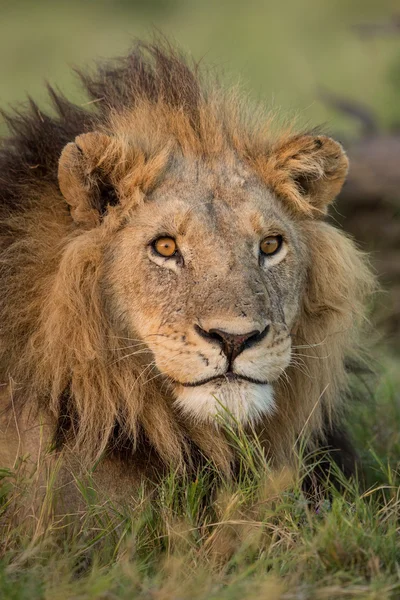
x,y
238,402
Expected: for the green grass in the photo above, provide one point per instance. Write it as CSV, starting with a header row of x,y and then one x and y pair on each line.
x,y
259,538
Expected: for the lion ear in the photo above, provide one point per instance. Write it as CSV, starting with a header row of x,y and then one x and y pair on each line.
x,y
308,171
85,177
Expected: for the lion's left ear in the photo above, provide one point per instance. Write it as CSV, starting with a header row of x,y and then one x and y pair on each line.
x,y
85,177
307,171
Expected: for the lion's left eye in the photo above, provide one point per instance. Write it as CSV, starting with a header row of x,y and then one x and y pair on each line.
x,y
271,244
165,246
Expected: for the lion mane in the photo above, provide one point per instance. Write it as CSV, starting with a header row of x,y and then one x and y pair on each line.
x,y
58,352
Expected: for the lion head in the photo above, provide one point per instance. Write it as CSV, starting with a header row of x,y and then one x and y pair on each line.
x,y
177,262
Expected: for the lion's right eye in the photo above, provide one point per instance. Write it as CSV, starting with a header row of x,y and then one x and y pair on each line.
x,y
165,246
271,244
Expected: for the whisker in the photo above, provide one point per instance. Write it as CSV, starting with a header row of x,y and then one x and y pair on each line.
x,y
130,339
136,353
138,345
313,357
160,363
310,345
298,364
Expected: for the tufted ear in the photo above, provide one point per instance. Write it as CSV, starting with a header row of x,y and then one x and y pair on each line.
x,y
85,177
308,171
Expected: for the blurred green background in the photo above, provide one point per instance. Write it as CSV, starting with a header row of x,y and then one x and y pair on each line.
x,y
285,51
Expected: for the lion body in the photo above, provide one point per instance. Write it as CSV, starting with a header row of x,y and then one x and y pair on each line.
x,y
99,356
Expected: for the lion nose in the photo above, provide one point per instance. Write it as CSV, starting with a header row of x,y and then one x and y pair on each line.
x,y
233,344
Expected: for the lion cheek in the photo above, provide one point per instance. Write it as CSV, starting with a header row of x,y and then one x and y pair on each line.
x,y
268,366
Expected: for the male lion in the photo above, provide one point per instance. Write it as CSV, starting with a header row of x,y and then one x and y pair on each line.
x,y
166,257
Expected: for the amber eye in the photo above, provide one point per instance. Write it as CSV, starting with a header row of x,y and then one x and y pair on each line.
x,y
271,244
165,246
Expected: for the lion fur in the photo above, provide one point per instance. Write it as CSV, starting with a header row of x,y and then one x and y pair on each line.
x,y
58,350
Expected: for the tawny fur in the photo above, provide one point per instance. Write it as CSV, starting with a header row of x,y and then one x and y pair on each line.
x,y
70,183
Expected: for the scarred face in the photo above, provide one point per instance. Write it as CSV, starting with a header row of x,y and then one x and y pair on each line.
x,y
208,273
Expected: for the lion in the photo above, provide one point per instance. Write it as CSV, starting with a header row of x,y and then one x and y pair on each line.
x,y
167,258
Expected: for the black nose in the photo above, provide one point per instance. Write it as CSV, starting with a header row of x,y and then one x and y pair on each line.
x,y
233,344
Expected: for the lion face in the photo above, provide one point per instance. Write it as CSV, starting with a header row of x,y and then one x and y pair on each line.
x,y
208,274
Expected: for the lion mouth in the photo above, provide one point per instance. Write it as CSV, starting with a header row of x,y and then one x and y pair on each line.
x,y
227,377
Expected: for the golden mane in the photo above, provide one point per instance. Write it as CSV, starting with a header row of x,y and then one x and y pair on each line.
x,y
57,344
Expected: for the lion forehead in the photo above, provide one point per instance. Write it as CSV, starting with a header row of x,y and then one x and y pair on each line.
x,y
218,199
